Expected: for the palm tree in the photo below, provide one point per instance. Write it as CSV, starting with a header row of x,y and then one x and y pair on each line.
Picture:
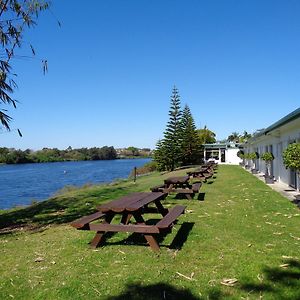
x,y
233,137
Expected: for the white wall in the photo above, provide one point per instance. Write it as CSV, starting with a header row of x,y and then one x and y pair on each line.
x,y
231,156
278,139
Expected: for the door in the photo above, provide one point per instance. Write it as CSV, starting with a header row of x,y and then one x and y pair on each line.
x,y
279,162
272,162
293,179
293,175
223,155
257,160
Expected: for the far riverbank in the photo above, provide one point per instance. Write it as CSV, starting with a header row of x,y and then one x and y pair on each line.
x,y
22,184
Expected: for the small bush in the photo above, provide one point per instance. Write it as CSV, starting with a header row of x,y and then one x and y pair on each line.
x,y
267,156
240,154
253,155
291,156
145,169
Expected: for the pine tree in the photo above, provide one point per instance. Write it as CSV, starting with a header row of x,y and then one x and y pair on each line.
x,y
190,143
159,156
168,150
172,134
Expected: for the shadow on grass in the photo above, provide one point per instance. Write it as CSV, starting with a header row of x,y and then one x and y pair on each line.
x,y
181,196
278,283
201,197
57,210
182,235
160,291
139,240
157,291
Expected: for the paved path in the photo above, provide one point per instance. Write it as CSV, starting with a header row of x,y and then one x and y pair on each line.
x,y
285,190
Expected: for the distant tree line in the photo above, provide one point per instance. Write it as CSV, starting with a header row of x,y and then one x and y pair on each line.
x,y
13,156
134,152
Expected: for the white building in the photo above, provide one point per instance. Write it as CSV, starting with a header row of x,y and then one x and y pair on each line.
x,y
222,153
275,139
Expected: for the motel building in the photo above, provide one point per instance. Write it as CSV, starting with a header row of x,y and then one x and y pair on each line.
x,y
222,153
275,139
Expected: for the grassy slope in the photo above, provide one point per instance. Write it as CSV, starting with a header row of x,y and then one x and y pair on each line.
x,y
241,230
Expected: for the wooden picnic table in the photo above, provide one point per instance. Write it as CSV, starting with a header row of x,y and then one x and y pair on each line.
x,y
204,172
134,205
179,180
179,185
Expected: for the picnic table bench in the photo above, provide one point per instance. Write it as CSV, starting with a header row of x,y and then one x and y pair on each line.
x,y
134,205
179,185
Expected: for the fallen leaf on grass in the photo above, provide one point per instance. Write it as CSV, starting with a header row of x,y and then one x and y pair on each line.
x,y
249,245
284,266
295,237
39,259
189,211
289,257
229,281
260,277
186,277
277,233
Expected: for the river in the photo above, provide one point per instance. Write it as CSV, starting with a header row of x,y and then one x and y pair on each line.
x,y
21,184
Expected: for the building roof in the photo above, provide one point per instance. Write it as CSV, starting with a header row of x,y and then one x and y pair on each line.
x,y
287,119
222,145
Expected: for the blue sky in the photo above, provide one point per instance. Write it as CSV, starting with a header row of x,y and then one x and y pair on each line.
x,y
113,64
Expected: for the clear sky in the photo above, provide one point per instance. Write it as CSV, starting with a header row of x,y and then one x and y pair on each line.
x,y
113,64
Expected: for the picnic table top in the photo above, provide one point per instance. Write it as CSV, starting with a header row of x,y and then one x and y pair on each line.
x,y
200,169
131,202
177,180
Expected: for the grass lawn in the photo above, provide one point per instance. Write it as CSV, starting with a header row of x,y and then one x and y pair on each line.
x,y
238,228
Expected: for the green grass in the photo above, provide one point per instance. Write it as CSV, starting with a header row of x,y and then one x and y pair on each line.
x,y
242,229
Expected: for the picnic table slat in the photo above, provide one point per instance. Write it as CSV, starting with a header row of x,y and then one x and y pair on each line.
x,y
122,202
84,221
150,198
170,217
124,228
177,180
178,191
132,202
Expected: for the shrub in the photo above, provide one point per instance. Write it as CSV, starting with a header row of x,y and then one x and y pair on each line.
x,y
240,154
267,156
253,155
291,156
145,169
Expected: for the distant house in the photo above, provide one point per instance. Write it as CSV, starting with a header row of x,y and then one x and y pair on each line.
x,y
275,139
222,153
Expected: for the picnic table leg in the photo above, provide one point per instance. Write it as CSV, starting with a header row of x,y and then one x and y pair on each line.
x,y
152,242
163,211
95,242
149,237
188,196
126,218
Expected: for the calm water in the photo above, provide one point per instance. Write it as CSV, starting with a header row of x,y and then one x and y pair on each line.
x,y
20,184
